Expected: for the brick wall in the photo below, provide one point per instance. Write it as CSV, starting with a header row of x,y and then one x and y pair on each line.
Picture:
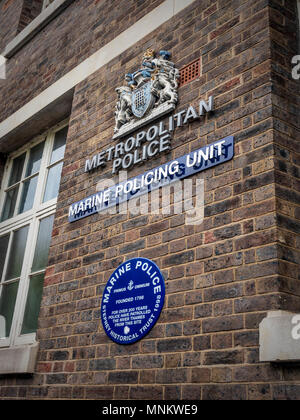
x,y
10,12
286,111
222,276
63,44
30,10
15,15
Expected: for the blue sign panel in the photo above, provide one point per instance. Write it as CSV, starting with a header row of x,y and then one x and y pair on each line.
x,y
132,301
177,169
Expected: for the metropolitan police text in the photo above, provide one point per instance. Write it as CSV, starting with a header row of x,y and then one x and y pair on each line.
x,y
147,144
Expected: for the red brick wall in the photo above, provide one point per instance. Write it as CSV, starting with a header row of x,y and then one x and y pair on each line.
x,y
10,12
221,277
286,111
80,30
31,9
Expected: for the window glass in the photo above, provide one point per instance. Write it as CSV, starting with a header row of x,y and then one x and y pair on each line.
x,y
30,320
53,180
28,194
17,253
7,307
34,162
43,243
3,249
10,204
59,145
54,172
17,169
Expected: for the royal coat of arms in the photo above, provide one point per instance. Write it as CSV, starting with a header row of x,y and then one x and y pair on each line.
x,y
149,92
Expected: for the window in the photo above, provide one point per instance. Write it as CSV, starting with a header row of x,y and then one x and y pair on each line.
x,y
31,184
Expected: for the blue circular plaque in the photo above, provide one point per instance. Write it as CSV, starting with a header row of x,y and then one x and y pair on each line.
x,y
132,301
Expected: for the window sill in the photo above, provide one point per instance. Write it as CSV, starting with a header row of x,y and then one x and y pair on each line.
x,y
17,360
35,26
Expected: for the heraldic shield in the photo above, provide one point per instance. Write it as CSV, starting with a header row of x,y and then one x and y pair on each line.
x,y
142,100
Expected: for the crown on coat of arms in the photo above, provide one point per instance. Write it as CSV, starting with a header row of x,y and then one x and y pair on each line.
x,y
151,88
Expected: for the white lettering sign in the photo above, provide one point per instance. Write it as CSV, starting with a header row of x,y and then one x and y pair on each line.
x,y
147,144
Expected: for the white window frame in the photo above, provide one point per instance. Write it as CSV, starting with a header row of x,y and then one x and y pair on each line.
x,y
32,219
